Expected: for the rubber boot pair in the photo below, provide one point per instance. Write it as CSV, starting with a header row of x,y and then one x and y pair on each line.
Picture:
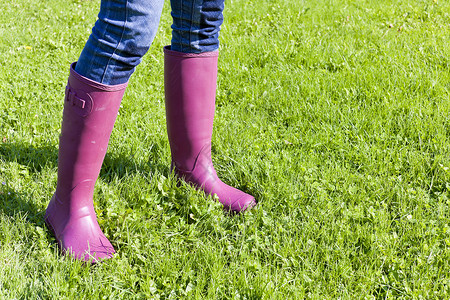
x,y
90,111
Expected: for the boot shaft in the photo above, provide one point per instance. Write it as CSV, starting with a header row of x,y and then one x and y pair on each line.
x,y
90,110
190,89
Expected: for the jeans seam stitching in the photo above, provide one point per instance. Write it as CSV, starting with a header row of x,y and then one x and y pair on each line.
x,y
118,43
190,26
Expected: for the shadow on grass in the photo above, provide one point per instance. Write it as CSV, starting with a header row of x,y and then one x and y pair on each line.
x,y
13,202
32,160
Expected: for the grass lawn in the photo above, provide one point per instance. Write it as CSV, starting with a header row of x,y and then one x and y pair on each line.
x,y
334,114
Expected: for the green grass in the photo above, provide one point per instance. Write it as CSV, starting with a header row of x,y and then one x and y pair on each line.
x,y
334,114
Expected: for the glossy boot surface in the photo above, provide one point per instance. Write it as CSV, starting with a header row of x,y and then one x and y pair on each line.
x,y
190,89
90,110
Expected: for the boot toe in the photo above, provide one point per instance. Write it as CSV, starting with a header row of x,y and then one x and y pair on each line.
x,y
83,240
242,204
92,250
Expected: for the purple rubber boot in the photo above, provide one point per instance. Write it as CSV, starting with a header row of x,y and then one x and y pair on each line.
x,y
190,88
90,110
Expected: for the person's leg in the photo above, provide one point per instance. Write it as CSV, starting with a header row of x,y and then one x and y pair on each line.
x,y
196,25
96,84
121,36
190,87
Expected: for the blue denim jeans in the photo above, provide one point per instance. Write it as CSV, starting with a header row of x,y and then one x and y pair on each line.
x,y
125,30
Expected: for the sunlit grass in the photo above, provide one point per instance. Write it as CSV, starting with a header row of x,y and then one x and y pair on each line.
x,y
334,114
